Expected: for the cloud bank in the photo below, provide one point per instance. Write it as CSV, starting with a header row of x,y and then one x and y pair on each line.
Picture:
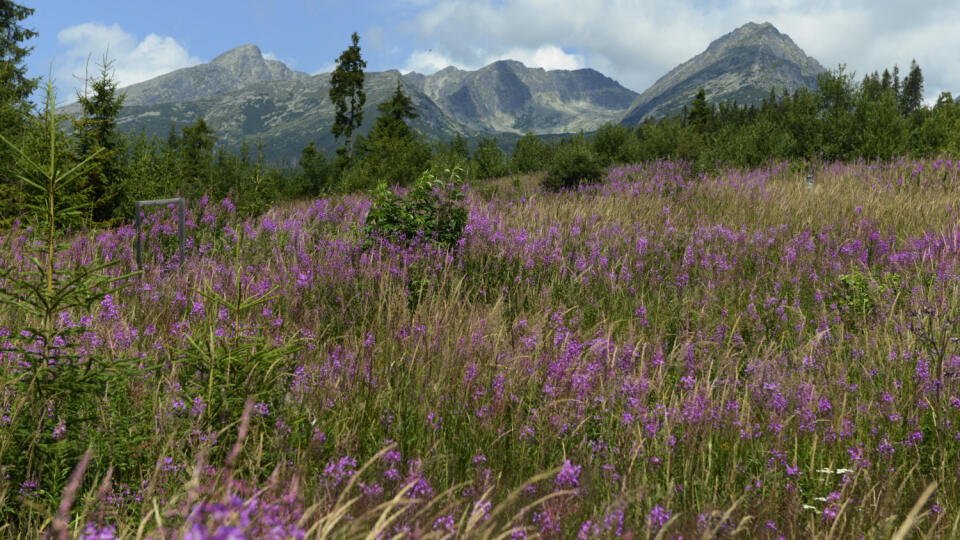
x,y
133,60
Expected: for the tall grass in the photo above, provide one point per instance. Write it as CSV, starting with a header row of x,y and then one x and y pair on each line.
x,y
663,355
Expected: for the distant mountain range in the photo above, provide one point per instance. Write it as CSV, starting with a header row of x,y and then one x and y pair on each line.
x,y
244,96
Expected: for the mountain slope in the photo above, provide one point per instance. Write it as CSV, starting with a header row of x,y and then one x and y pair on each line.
x,y
232,70
741,66
286,115
245,97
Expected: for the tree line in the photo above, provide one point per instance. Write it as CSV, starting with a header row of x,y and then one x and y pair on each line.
x,y
879,117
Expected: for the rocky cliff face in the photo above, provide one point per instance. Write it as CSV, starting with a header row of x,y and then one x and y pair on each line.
x,y
741,66
507,96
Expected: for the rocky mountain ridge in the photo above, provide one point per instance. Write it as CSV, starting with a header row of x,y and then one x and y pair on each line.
x,y
246,97
741,66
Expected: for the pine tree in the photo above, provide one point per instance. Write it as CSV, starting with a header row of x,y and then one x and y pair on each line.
x,y
393,152
911,96
346,92
96,132
15,89
700,113
393,115
196,145
314,166
887,80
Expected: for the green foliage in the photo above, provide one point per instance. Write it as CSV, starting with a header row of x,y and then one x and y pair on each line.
x,y
57,390
859,293
392,152
315,170
196,148
911,96
433,210
612,144
15,90
531,154
700,115
489,160
346,93
226,372
573,163
450,154
95,132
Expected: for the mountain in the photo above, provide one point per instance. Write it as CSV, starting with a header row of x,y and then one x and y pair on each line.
x,y
232,70
286,115
507,96
245,97
741,66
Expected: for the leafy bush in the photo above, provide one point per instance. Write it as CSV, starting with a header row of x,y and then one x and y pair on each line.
x,y
431,211
572,164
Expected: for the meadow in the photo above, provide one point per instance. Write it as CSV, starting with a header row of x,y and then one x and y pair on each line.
x,y
667,354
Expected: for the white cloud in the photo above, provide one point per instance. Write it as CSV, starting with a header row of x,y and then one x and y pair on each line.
x,y
133,61
637,42
428,62
546,56
326,68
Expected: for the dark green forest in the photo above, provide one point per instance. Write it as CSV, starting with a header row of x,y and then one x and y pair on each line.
x,y
877,117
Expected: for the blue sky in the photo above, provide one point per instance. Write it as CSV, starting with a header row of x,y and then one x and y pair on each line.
x,y
634,42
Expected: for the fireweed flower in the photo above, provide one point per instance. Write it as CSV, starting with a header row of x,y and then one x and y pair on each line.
x,y
658,516
97,532
59,430
262,409
569,476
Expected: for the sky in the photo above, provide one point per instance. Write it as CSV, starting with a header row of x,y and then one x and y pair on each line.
x,y
634,42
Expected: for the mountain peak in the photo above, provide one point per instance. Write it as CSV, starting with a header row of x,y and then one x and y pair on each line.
x,y
244,52
740,66
237,68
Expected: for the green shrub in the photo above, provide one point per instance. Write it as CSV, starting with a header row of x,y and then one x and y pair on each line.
x,y
531,154
432,210
612,143
489,160
572,164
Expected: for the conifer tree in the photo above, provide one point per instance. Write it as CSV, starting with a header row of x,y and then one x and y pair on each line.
x,y
393,152
196,145
911,96
346,92
15,89
700,113
96,133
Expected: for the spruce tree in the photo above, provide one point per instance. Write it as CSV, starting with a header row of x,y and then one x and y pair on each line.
x,y
393,152
196,147
346,92
15,90
911,96
700,113
313,165
96,132
393,115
